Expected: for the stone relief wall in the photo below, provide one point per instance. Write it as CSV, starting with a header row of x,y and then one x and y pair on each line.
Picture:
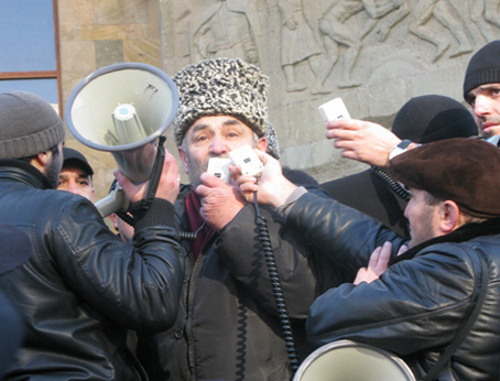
x,y
375,54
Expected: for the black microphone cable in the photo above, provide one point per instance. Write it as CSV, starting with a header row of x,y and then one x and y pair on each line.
x,y
190,236
265,239
393,185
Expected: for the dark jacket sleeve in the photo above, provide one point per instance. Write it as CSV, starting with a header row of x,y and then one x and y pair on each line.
x,y
240,247
414,306
136,285
345,236
422,300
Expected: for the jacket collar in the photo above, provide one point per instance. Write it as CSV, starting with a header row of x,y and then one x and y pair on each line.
x,y
464,233
23,172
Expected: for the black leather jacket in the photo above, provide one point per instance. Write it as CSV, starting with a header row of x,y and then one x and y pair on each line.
x,y
228,326
418,305
83,287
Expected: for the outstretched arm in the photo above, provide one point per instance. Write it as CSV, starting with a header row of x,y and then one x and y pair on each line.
x,y
363,141
272,187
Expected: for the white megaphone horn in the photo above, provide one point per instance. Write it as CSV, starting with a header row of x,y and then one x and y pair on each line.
x,y
344,360
123,109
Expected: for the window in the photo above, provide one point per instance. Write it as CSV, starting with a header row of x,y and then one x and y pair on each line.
x,y
30,51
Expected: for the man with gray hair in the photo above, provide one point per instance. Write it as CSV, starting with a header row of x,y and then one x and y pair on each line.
x,y
229,325
83,287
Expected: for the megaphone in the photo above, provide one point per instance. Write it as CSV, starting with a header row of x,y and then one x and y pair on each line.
x,y
123,109
346,360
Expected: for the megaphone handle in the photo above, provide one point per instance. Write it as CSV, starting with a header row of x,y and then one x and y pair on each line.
x,y
154,178
127,218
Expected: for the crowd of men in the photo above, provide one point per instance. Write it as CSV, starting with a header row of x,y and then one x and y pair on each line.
x,y
243,279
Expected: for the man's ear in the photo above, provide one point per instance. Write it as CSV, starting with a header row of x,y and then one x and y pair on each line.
x,y
262,144
183,157
44,157
40,161
450,217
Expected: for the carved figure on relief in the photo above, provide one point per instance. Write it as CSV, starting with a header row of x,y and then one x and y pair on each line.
x,y
225,31
489,11
444,13
386,17
492,12
298,44
335,32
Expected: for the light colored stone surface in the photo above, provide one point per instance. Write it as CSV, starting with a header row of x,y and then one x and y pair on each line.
x,y
170,34
390,69
142,50
108,52
75,12
111,12
96,33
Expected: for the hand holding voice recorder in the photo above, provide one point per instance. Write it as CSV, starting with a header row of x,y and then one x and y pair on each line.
x,y
334,109
244,157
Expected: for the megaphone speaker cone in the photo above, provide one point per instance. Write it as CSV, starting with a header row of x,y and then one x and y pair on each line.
x,y
123,108
346,360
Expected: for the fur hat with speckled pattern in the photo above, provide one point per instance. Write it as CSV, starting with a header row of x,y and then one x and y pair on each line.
x,y
224,86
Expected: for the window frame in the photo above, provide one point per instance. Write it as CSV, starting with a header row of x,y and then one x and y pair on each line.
x,y
53,74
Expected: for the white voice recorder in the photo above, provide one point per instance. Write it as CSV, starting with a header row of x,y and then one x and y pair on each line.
x,y
334,109
247,159
218,166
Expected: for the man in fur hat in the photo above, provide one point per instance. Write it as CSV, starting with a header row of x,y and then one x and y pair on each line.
x,y
228,327
437,305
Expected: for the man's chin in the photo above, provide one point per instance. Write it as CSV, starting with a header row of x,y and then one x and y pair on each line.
x,y
492,131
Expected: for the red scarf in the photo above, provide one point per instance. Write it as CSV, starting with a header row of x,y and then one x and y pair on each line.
x,y
193,206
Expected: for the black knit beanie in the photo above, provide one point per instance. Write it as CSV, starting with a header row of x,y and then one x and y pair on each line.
x,y
433,117
484,67
29,125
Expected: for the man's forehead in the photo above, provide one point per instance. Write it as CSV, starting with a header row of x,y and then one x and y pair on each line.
x,y
484,88
73,169
216,121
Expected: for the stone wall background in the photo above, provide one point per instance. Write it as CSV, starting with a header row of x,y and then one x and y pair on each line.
x,y
401,49
97,33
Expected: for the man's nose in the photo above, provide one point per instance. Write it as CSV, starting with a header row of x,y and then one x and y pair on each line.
x,y
218,145
72,187
481,106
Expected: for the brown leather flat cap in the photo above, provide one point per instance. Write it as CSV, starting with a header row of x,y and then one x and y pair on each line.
x,y
466,171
